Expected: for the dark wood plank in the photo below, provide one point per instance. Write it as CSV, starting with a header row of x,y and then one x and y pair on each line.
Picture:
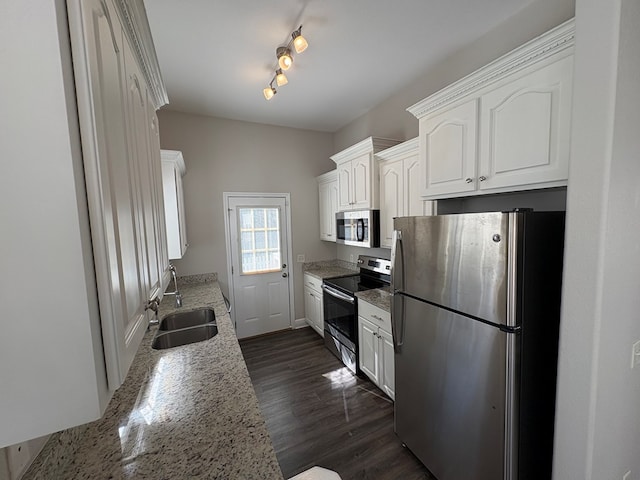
x,y
318,413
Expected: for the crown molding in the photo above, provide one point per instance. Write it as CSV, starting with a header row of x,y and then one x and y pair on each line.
x,y
400,151
136,27
175,157
330,176
368,145
553,42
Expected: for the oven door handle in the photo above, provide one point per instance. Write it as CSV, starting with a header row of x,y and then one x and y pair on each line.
x,y
338,294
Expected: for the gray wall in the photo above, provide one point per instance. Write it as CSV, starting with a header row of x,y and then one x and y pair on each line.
x,y
231,156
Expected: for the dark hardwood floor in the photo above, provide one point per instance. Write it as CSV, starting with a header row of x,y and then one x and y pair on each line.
x,y
318,413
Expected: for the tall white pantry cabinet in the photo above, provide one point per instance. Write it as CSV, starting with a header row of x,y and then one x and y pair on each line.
x,y
82,198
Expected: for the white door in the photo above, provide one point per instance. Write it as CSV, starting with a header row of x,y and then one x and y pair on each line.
x,y
259,246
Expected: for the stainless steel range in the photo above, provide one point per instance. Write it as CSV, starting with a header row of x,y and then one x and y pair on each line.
x,y
341,307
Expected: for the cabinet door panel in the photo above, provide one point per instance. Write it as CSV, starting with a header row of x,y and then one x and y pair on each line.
x,y
525,129
414,205
344,185
391,199
387,374
361,173
448,146
328,207
111,191
368,351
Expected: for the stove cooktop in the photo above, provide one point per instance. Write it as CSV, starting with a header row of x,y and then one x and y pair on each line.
x,y
355,283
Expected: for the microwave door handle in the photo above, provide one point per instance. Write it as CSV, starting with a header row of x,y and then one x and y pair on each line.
x,y
397,287
360,230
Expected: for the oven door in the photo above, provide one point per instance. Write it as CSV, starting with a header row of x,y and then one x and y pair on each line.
x,y
340,326
340,315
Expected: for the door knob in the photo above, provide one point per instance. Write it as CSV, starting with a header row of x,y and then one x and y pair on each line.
x,y
468,180
285,274
284,265
482,178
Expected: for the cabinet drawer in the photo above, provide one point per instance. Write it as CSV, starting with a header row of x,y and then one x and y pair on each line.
x,y
375,315
313,282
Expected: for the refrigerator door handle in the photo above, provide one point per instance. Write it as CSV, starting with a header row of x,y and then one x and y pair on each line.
x,y
397,285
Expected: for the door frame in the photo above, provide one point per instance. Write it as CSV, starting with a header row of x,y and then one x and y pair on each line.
x,y
227,236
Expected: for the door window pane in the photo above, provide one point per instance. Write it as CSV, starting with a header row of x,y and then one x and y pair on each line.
x,y
259,239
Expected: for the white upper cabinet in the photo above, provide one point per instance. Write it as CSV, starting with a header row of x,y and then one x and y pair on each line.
x,y
525,126
328,205
399,168
503,128
94,113
173,169
357,181
449,150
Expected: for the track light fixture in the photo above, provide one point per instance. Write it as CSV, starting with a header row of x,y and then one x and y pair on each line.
x,y
284,55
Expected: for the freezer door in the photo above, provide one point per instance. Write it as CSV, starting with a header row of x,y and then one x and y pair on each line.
x,y
450,393
458,261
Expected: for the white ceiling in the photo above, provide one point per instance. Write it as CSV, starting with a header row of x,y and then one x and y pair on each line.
x,y
216,56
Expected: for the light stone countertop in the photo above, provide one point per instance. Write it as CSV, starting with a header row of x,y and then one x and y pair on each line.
x,y
380,297
330,269
183,412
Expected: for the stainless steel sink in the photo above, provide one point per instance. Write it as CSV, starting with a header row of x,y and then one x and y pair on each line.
x,y
179,320
184,336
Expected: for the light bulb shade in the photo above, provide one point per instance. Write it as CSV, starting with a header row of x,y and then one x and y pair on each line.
x,y
299,42
284,58
281,78
269,92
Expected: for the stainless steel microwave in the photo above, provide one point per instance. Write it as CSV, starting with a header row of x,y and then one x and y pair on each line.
x,y
360,228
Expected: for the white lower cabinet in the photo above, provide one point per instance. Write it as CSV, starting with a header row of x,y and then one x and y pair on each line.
x,y
375,354
313,308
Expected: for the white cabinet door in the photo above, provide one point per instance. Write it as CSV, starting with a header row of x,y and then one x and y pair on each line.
x,y
328,203
525,129
387,365
448,144
392,202
368,351
172,170
413,203
309,307
318,312
112,182
362,196
344,185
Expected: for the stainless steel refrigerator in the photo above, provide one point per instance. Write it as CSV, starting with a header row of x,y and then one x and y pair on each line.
x,y
475,317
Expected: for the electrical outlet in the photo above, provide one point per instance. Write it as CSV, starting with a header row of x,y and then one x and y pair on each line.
x,y
19,457
635,354
627,476
300,258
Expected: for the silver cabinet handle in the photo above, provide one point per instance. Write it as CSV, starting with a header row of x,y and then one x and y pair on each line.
x,y
482,178
468,180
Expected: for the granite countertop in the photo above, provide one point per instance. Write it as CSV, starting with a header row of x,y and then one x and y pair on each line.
x,y
183,412
380,297
330,269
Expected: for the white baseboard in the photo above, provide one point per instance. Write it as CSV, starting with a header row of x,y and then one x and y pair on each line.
x,y
299,323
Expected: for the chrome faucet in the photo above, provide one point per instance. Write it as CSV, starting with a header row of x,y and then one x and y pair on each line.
x,y
172,268
153,305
